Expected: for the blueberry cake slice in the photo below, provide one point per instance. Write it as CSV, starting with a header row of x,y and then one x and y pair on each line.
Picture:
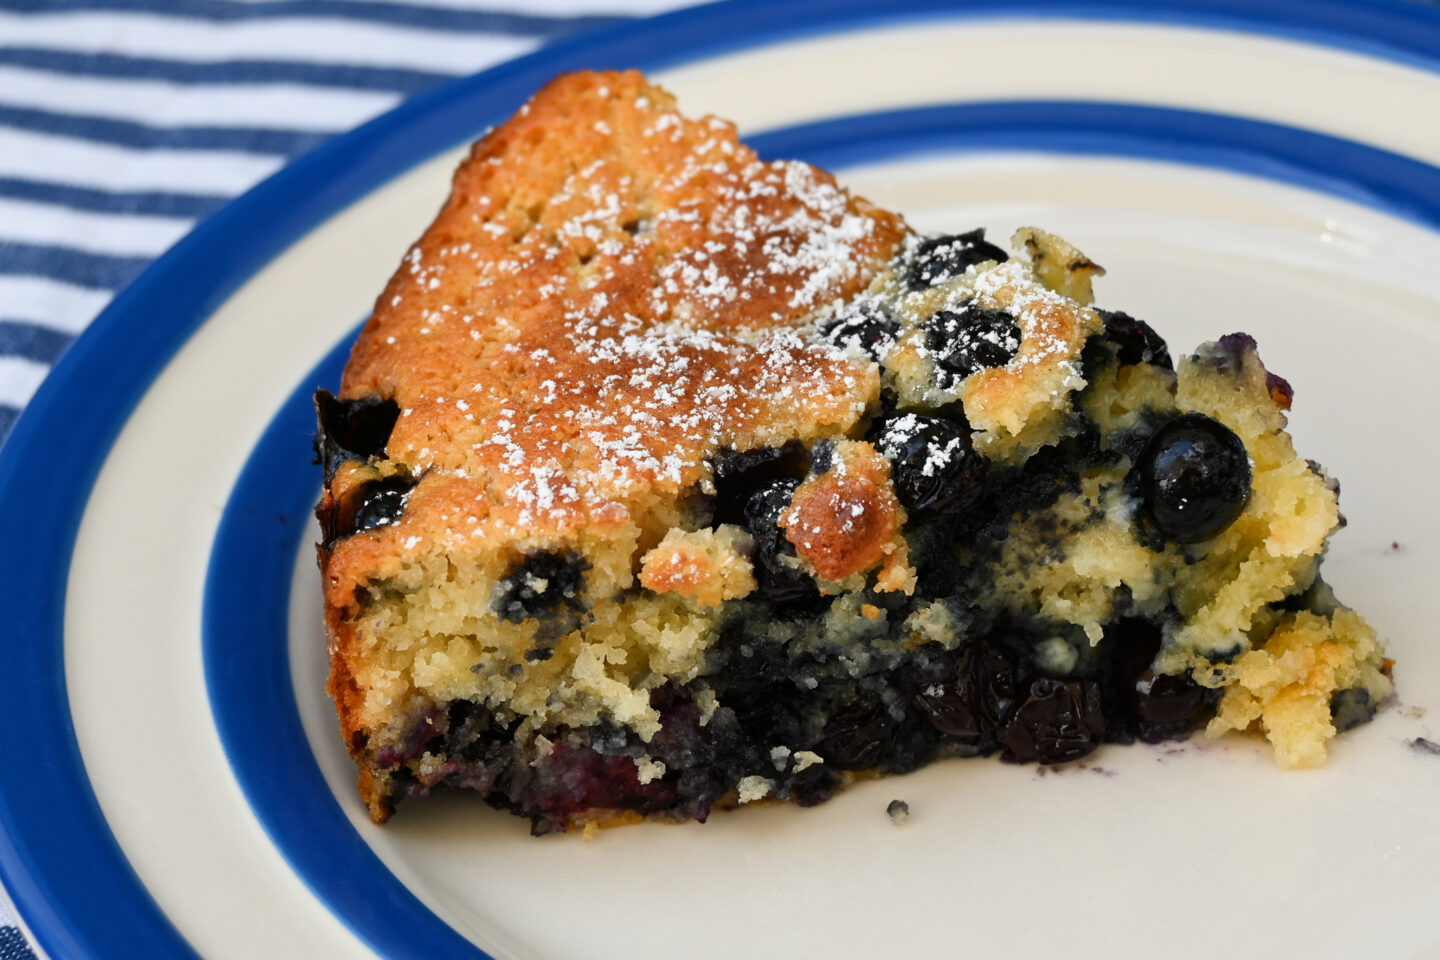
x,y
664,479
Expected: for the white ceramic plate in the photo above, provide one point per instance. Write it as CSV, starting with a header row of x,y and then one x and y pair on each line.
x,y
173,785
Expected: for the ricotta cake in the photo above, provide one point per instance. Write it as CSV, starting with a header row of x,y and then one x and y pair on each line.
x,y
664,478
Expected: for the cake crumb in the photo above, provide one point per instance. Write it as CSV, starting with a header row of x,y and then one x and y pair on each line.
x,y
870,611
806,758
592,830
899,812
705,700
647,769
1421,745
754,788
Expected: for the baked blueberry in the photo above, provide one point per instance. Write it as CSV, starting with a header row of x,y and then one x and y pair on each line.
x,y
949,707
541,584
382,502
1058,721
352,429
867,328
1194,478
933,463
374,503
971,338
943,258
1134,340
857,737
778,581
738,474
1350,708
977,697
1167,698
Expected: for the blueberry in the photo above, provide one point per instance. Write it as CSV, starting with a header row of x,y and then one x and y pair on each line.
x,y
540,585
975,700
765,506
587,779
1350,708
868,327
351,429
1153,706
1134,340
815,784
933,463
382,502
943,258
776,580
739,474
971,338
822,457
1194,478
1280,390
857,737
1162,698
1059,720
374,503
949,707
914,744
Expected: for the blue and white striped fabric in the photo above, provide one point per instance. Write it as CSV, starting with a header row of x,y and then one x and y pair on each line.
x,y
124,122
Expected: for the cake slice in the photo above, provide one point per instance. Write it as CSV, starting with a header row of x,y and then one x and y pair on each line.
x,y
664,479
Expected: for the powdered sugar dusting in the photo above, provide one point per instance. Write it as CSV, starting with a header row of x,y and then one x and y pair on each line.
x,y
614,292
619,297
1034,308
907,429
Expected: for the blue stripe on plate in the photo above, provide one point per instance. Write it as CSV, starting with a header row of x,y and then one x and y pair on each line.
x,y
188,205
439,18
247,590
130,134
70,265
227,71
75,887
31,342
265,518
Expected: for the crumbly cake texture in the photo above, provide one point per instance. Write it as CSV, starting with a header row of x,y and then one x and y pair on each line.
x,y
664,478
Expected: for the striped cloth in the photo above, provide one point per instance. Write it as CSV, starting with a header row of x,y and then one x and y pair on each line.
x,y
124,122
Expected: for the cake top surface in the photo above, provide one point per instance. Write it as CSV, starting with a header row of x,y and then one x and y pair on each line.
x,y
611,292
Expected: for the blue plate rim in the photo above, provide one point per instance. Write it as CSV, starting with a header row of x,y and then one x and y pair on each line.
x,y
56,849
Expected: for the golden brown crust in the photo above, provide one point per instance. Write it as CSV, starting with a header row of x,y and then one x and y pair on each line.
x,y
609,294
345,692
1046,367
706,565
847,520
